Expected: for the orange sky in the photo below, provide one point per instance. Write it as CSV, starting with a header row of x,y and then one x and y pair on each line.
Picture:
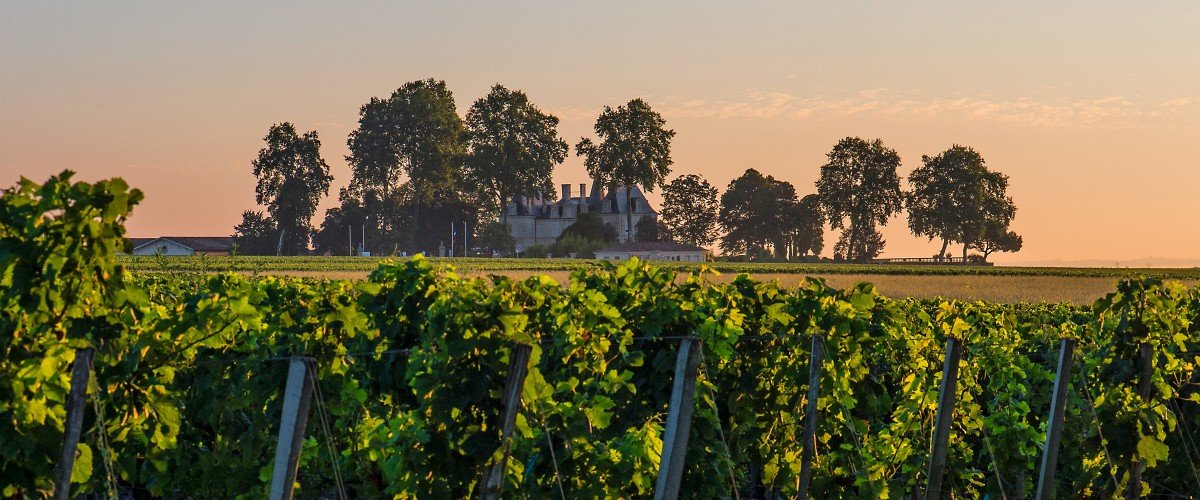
x,y
1092,108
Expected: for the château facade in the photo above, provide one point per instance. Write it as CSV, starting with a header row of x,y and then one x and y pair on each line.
x,y
534,221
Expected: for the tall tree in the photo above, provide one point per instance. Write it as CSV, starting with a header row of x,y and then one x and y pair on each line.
x,y
804,226
634,149
416,133
754,214
292,178
956,198
859,190
689,210
408,152
513,147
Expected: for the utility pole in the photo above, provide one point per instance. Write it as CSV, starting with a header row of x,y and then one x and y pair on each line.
x,y
362,242
451,239
466,234
350,233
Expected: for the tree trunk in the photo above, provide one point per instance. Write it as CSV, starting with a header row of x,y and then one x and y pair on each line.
x,y
503,209
965,247
628,212
941,256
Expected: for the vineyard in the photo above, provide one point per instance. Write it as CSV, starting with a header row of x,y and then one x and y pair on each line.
x,y
261,264
409,368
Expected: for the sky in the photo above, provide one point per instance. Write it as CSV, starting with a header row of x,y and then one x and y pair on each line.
x,y
1091,108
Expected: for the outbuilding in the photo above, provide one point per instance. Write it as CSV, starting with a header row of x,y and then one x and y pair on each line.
x,y
653,250
183,245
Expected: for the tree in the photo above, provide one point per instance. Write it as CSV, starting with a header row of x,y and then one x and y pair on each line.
x,y
860,189
955,197
513,147
648,229
634,149
292,178
495,238
870,242
755,214
406,156
256,235
997,238
804,226
590,226
689,210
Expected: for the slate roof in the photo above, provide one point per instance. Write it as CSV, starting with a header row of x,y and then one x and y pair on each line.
x,y
196,243
652,246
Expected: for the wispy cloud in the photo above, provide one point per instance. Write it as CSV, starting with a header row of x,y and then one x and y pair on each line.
x,y
1106,112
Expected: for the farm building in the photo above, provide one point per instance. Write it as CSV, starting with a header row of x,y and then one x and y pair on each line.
x,y
538,222
183,245
653,250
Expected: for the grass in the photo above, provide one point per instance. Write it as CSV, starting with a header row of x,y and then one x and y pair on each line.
x,y
364,264
993,284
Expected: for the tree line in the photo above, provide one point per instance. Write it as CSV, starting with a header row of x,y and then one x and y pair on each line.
x,y
419,168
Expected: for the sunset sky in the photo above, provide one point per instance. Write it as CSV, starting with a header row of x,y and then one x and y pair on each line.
x,y
1092,108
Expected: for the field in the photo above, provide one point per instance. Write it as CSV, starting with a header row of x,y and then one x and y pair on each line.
x,y
993,284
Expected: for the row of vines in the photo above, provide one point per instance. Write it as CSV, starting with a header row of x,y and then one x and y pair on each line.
x,y
189,368
315,264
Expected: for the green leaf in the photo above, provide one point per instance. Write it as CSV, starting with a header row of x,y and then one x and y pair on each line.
x,y
1152,450
82,470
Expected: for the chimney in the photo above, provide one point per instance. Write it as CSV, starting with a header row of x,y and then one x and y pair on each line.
x,y
566,192
582,200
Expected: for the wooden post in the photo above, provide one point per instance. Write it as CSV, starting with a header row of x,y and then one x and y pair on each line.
x,y
297,395
679,420
941,433
815,359
1138,466
73,427
518,367
1058,406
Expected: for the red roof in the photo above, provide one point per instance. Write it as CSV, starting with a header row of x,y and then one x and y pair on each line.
x,y
196,243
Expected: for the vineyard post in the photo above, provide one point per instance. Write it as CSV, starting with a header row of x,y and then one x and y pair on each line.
x,y
518,367
945,411
679,420
810,413
297,395
1138,467
74,424
1058,405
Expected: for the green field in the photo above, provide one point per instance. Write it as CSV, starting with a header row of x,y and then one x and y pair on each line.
x,y
242,263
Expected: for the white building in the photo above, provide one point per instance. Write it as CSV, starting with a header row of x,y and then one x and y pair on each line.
x,y
183,245
653,250
538,222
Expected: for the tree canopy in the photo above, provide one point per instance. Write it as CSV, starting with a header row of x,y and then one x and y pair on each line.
x,y
634,149
648,229
406,158
859,190
689,210
589,225
292,178
956,198
760,216
255,234
513,147
416,133
804,227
